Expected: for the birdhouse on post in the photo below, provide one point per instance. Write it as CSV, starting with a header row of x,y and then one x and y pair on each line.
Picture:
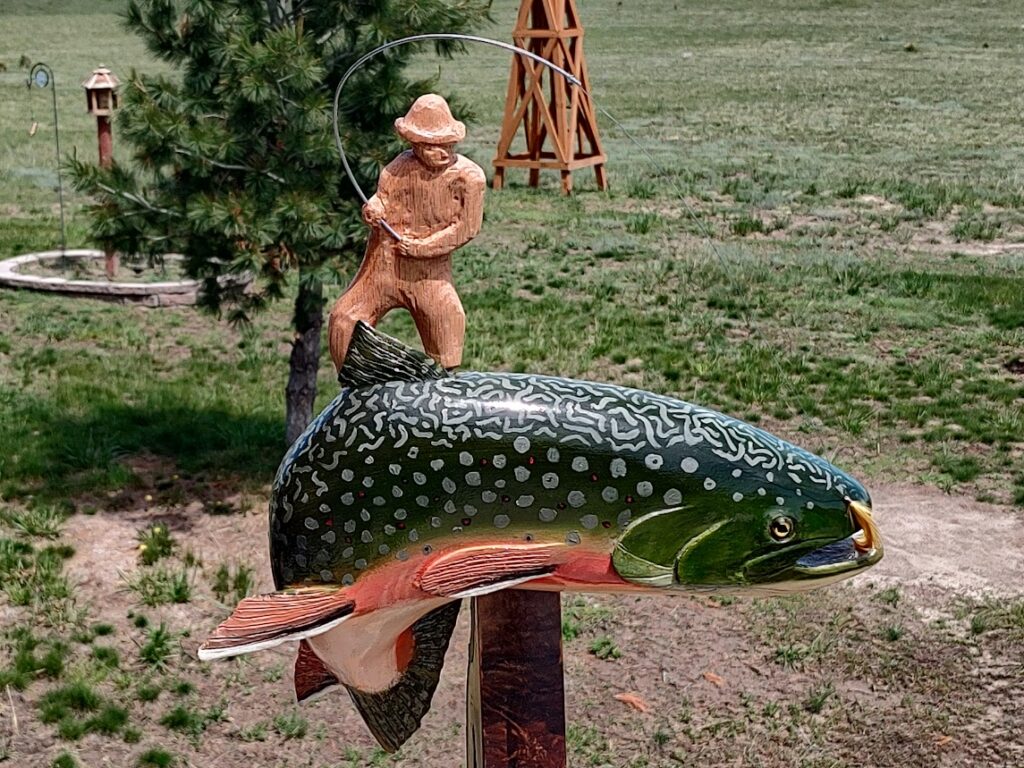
x,y
101,101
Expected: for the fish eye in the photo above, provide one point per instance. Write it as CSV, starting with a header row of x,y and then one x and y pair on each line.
x,y
782,528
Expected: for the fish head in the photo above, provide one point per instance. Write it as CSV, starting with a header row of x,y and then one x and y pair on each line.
x,y
757,543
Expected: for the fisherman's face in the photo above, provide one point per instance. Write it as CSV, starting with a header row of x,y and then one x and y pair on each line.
x,y
435,156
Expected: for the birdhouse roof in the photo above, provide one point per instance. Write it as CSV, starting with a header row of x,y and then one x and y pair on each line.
x,y
101,78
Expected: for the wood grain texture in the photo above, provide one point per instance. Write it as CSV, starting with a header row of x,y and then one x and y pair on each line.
x,y
515,702
558,120
433,199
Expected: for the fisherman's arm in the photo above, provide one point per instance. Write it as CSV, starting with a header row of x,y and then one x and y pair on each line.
x,y
465,225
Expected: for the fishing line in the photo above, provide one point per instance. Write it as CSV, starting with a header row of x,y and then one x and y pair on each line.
x,y
572,79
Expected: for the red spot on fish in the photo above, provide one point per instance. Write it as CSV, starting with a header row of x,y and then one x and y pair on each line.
x,y
467,521
328,522
484,462
506,497
361,494
400,526
348,539
606,524
593,478
629,499
531,461
561,505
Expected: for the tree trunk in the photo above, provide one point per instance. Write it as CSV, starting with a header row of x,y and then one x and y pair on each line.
x,y
304,362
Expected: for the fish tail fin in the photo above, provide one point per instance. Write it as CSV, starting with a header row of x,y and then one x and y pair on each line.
x,y
394,715
268,620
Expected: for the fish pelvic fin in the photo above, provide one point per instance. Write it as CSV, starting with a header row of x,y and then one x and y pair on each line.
x,y
375,358
267,620
311,674
394,715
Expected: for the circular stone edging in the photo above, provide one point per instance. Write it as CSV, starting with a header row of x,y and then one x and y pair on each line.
x,y
170,293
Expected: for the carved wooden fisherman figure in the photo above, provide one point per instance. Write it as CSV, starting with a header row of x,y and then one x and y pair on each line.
x,y
432,198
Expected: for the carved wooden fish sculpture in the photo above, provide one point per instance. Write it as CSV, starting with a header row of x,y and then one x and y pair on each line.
x,y
415,488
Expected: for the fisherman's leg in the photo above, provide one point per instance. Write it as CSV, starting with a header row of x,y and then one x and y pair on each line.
x,y
367,299
440,320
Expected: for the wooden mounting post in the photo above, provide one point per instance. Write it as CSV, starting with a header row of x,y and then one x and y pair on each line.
x,y
550,110
515,702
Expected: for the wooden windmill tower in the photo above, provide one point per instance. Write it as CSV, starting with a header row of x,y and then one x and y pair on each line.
x,y
558,122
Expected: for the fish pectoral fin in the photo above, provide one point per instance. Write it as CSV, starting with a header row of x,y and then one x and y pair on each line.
x,y
393,715
478,570
268,620
311,674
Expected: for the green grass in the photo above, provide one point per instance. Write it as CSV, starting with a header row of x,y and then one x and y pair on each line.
x,y
155,543
158,586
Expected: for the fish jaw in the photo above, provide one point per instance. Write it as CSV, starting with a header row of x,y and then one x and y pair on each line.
x,y
847,556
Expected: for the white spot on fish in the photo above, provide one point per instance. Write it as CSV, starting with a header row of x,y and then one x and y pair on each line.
x,y
311,524
624,517
572,538
437,464
414,452
414,535
672,496
423,501
347,498
499,461
577,498
466,459
689,464
435,522
378,501
609,494
469,509
580,464
347,580
329,537
794,477
419,478
737,472
549,480
350,526
347,552
364,515
347,475
383,549
488,497
501,521
326,575
709,484
396,491
653,461
522,474
521,444
770,477
368,482
547,514
524,501
473,478
589,521
618,467
737,496
402,554
810,505
360,564
499,483
780,501
395,469
400,514
366,537
449,507
389,530
448,484
644,488
762,492
553,455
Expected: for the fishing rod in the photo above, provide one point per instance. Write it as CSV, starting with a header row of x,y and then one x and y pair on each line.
x,y
572,79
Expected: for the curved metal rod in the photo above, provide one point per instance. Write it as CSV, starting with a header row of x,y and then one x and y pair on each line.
x,y
51,81
419,39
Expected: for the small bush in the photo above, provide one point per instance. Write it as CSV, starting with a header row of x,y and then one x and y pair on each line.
x,y
158,647
156,758
155,543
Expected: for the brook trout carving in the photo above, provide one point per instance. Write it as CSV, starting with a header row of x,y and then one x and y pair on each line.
x,y
416,488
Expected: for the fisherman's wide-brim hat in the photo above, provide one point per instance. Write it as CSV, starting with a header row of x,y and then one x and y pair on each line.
x,y
430,121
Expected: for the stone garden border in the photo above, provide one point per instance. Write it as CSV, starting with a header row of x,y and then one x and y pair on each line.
x,y
167,294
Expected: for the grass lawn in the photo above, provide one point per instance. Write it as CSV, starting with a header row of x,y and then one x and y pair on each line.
x,y
830,244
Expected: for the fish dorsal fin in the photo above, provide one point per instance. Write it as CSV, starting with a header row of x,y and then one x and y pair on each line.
x,y
374,358
394,715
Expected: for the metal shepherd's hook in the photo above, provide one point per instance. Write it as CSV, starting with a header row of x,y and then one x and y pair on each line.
x,y
41,76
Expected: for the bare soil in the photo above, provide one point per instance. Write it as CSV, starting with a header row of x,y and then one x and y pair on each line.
x,y
809,681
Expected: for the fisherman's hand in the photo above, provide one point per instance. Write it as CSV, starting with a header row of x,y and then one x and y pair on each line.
x,y
408,246
373,211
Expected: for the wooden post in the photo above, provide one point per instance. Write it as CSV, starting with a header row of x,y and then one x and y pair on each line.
x,y
105,141
515,702
550,110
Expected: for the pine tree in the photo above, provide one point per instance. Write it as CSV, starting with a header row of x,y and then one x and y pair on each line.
x,y
234,163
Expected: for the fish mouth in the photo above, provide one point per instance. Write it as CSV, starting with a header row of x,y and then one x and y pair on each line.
x,y
861,549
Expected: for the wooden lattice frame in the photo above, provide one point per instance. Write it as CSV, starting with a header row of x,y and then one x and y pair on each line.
x,y
558,119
